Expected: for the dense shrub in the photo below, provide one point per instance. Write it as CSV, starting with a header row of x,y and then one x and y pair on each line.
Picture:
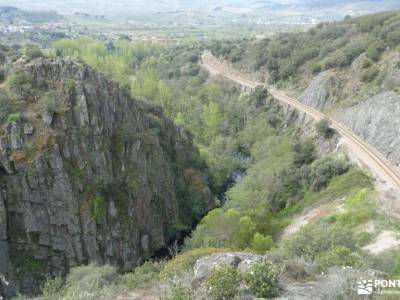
x,y
375,50
98,208
393,38
180,292
312,240
262,280
14,117
142,277
288,188
2,74
223,282
338,256
369,74
83,283
32,51
52,102
299,269
388,261
2,57
304,152
352,51
315,69
7,106
261,243
324,169
228,229
20,83
323,128
360,207
52,289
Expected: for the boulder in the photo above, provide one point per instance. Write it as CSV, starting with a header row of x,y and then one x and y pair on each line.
x,y
28,129
15,131
204,266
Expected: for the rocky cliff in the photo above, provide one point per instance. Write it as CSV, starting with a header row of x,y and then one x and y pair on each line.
x,y
89,174
321,93
376,120
370,112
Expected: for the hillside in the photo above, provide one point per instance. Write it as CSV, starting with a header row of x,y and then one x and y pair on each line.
x,y
12,15
349,69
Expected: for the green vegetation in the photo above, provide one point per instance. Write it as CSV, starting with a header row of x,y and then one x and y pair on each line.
x,y
121,60
14,117
323,128
180,292
52,102
2,74
185,261
332,240
82,283
7,106
262,279
24,263
32,51
261,243
95,282
171,78
290,60
20,84
223,282
52,288
99,207
142,277
281,173
369,74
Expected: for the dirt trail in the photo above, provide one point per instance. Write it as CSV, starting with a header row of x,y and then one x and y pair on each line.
x,y
365,153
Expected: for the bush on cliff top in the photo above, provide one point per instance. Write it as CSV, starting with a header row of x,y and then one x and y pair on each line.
x,y
223,282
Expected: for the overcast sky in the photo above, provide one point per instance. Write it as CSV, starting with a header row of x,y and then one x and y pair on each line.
x,y
138,6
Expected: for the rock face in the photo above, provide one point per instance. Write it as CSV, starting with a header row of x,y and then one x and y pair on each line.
x,y
376,120
321,93
107,180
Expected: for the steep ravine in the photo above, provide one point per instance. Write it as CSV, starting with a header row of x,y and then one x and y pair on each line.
x,y
106,179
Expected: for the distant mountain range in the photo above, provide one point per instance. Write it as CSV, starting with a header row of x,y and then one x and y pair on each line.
x,y
127,7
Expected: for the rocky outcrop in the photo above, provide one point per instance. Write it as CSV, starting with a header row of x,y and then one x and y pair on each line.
x,y
204,266
333,284
106,179
321,93
376,120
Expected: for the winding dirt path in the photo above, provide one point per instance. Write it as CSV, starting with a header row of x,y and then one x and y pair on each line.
x,y
365,153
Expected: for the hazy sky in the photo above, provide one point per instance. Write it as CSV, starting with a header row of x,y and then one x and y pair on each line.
x,y
137,6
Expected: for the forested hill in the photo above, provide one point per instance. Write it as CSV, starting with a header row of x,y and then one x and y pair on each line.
x,y
293,59
350,69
